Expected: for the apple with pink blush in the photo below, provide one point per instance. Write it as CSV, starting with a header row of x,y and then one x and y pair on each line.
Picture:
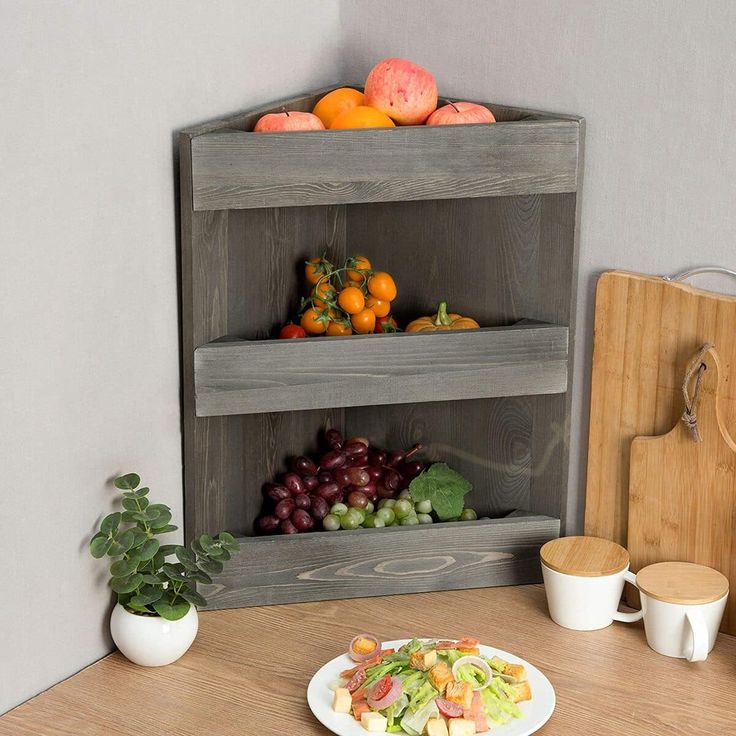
x,y
461,113
401,89
287,120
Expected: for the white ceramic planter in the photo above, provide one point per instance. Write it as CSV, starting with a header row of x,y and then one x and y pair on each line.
x,y
152,641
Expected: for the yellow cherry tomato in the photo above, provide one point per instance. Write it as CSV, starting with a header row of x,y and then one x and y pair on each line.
x,y
316,268
379,307
382,286
351,300
314,322
339,329
323,293
364,322
358,262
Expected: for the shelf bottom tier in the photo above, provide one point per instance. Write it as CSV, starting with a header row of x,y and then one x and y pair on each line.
x,y
371,562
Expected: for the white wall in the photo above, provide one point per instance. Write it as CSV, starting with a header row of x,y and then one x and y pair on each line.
x,y
90,95
654,80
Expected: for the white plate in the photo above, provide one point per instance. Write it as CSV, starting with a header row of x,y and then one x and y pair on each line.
x,y
536,711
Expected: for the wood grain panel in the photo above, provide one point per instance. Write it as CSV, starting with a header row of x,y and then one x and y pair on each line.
x,y
646,329
326,565
381,165
206,691
281,375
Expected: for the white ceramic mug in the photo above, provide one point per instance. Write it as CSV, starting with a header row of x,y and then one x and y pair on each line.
x,y
687,631
586,603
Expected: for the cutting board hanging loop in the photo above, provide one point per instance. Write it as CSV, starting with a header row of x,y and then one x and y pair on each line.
x,y
696,368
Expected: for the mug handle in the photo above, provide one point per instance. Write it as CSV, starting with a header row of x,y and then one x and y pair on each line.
x,y
628,618
698,652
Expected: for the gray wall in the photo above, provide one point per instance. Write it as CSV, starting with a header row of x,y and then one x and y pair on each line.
x,y
90,94
655,81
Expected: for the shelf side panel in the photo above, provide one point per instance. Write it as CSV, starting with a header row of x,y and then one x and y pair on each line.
x,y
329,565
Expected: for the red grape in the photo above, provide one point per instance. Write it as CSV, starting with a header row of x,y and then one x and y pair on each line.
x,y
396,457
364,440
375,472
303,465
302,520
412,468
354,448
320,508
287,527
342,477
328,491
369,488
268,524
391,479
284,508
377,457
333,459
302,501
334,439
325,477
358,476
357,500
276,492
310,482
294,483
384,492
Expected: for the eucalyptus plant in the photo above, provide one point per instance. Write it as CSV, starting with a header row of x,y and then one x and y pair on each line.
x,y
144,581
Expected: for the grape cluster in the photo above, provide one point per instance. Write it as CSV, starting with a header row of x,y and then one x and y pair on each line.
x,y
343,488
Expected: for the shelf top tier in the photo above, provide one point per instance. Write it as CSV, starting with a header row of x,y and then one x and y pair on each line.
x,y
525,152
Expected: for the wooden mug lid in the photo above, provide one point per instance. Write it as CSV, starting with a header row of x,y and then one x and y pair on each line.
x,y
682,582
585,556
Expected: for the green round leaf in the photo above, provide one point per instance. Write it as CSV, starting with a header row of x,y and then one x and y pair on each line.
x,y
110,523
208,544
147,595
99,546
142,491
213,567
186,557
193,597
127,584
123,568
173,572
161,520
127,482
126,539
168,549
200,577
153,579
149,549
135,503
165,529
171,612
228,541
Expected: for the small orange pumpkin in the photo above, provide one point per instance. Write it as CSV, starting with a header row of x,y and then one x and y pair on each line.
x,y
442,321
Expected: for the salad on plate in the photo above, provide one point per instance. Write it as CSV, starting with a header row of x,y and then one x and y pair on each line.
x,y
438,688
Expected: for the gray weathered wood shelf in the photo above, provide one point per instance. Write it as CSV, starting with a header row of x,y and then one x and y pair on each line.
x,y
482,216
252,376
367,562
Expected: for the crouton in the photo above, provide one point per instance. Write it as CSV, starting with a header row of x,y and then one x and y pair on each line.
x,y
423,660
522,691
460,693
515,671
440,675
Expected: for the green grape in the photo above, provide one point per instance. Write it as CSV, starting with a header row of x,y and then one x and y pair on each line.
x,y
403,508
468,515
425,519
348,521
378,523
370,508
358,514
369,520
404,495
423,507
339,509
387,515
386,503
331,522
410,520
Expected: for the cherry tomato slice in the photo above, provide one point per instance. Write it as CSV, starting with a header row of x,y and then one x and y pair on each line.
x,y
448,708
470,641
381,688
356,681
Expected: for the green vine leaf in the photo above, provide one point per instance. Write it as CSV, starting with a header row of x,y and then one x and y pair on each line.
x,y
186,557
128,482
148,594
123,568
149,549
127,584
99,546
171,612
193,597
110,523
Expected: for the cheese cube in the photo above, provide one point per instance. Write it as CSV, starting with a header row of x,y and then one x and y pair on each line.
x,y
374,722
436,727
342,701
462,727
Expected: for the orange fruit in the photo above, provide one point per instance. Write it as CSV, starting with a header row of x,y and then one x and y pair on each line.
x,y
382,286
336,102
364,322
351,300
322,293
362,117
316,268
380,307
339,329
360,262
314,322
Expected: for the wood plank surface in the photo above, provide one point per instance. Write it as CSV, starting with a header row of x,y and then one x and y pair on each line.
x,y
607,682
284,375
236,170
326,565
682,493
646,329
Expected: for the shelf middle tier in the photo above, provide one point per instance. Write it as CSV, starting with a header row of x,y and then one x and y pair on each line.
x,y
257,376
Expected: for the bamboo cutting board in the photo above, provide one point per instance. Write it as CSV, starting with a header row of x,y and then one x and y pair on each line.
x,y
682,493
646,330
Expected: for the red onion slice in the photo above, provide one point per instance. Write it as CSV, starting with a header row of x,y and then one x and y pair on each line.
x,y
391,696
364,656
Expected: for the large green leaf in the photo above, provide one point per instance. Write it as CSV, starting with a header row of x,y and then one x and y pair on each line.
x,y
127,584
168,549
161,520
153,578
186,557
228,541
99,546
123,568
200,577
171,612
149,549
128,482
173,572
135,504
193,597
208,544
110,523
147,595
213,567
444,487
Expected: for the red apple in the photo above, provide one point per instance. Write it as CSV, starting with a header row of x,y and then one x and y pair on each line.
x,y
287,120
401,89
461,113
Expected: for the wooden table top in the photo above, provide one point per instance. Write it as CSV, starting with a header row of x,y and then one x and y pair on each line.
x,y
607,682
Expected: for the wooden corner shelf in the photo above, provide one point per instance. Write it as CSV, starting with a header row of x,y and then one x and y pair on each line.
x,y
252,376
484,217
367,562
